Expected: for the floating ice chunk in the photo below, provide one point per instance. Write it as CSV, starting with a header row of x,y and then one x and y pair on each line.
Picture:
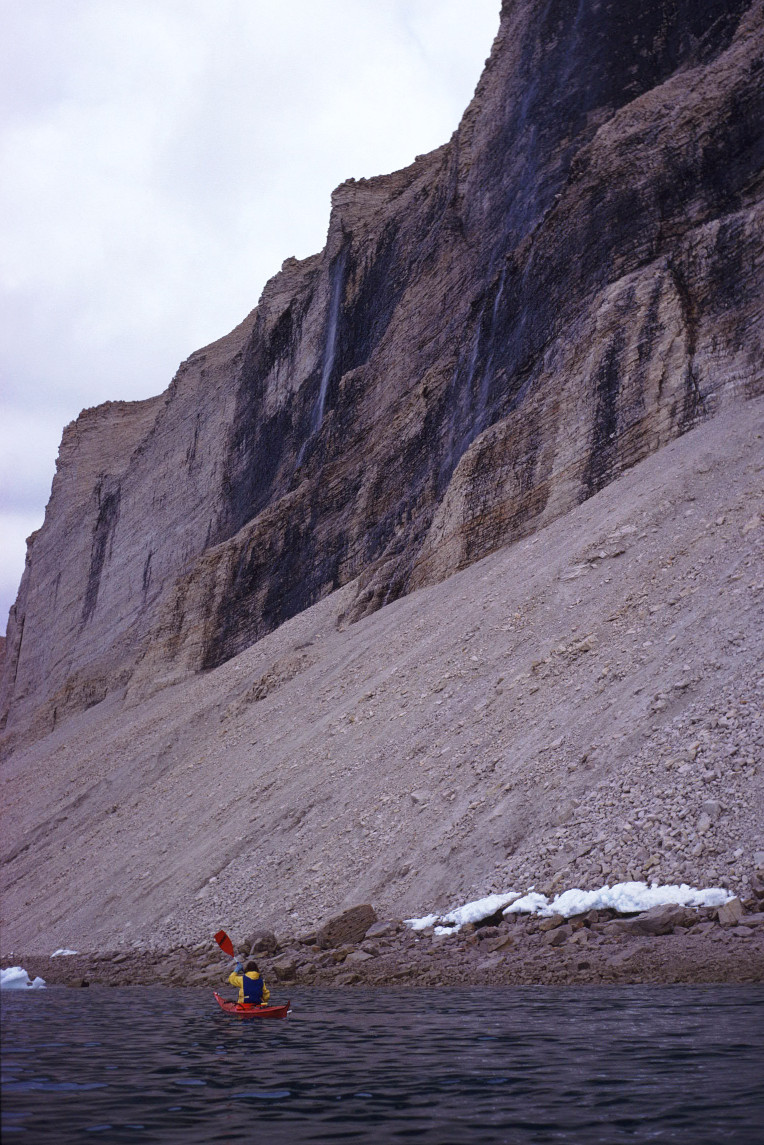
x,y
16,978
63,952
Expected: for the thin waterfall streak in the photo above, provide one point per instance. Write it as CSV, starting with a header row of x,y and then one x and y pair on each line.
x,y
467,388
330,348
485,385
473,360
499,294
330,354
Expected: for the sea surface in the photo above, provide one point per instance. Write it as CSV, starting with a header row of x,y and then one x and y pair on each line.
x,y
615,1064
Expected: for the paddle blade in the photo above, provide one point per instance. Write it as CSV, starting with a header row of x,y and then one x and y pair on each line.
x,y
224,943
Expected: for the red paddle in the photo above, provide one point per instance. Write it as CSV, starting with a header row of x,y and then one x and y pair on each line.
x,y
225,943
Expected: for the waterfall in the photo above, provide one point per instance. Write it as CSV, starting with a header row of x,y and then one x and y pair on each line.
x,y
482,406
330,345
485,330
337,276
473,357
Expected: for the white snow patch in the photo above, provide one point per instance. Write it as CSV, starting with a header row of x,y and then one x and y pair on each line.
x,y
626,898
63,952
423,922
532,903
16,978
474,911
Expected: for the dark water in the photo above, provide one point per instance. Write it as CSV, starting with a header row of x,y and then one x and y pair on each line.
x,y
675,1064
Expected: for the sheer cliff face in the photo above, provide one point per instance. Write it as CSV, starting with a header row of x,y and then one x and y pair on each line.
x,y
488,338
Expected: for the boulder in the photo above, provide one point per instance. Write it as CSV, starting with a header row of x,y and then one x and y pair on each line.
x,y
730,913
581,936
383,929
702,927
284,969
486,932
657,920
349,927
551,922
262,942
502,942
357,956
348,979
559,935
757,887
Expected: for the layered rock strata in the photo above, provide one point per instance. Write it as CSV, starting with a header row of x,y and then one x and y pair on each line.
x,y
487,339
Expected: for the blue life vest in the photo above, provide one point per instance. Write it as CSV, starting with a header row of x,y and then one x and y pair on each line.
x,y
253,989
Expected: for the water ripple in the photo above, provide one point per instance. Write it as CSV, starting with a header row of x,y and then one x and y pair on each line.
x,y
517,1067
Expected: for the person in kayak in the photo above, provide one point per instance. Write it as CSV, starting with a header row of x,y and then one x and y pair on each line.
x,y
252,989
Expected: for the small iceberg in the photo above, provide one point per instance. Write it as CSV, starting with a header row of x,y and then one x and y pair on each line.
x,y
63,952
16,978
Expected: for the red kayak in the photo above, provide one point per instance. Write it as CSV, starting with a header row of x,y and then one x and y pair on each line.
x,y
248,1010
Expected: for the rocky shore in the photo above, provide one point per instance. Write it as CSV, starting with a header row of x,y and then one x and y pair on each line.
x,y
667,944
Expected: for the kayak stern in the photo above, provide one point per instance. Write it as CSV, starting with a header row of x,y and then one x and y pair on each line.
x,y
248,1010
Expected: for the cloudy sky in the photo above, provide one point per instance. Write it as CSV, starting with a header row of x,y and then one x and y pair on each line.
x,y
160,159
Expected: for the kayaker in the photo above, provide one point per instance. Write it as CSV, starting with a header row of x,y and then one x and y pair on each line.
x,y
252,989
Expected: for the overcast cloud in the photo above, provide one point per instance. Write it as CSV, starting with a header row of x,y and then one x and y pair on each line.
x,y
160,159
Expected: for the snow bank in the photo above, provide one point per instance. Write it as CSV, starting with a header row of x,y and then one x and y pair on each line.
x,y
626,898
16,978
63,952
474,911
423,922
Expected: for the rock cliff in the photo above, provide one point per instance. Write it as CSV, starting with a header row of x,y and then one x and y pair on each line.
x,y
488,338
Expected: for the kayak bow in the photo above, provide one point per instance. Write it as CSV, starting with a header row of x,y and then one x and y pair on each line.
x,y
248,1010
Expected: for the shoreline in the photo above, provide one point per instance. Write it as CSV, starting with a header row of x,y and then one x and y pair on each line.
x,y
596,949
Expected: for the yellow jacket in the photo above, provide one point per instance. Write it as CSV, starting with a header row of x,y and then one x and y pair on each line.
x,y
236,980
